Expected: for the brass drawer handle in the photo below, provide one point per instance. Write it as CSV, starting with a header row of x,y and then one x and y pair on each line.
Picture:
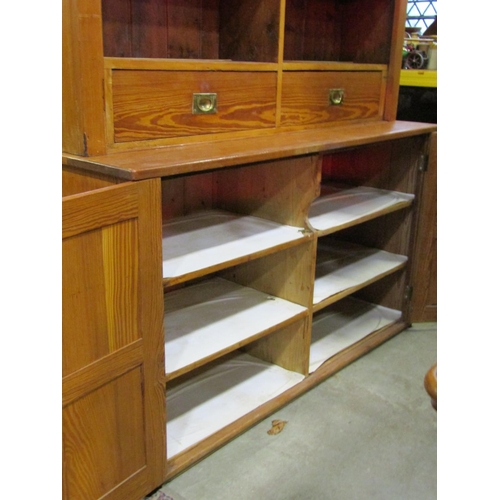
x,y
336,96
204,103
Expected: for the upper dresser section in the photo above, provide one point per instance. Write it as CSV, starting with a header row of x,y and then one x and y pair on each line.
x,y
197,70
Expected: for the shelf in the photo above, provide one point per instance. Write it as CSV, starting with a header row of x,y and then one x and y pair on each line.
x,y
343,208
215,316
195,157
219,395
342,268
213,239
343,324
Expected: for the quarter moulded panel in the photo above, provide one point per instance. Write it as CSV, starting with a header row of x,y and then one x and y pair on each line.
x,y
99,431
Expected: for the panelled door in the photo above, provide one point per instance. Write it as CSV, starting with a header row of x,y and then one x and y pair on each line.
x,y
113,350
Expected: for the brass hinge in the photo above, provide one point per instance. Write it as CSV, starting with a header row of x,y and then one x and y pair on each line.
x,y
422,163
408,292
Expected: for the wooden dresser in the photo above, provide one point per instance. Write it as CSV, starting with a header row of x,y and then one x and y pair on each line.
x,y
240,209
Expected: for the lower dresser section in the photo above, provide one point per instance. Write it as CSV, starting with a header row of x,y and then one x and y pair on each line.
x,y
243,287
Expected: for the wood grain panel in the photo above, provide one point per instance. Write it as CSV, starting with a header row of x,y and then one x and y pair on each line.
x,y
288,274
281,191
161,28
113,357
288,347
183,195
389,165
197,156
149,28
305,98
312,31
83,131
104,441
85,326
424,303
184,29
100,275
75,181
110,205
117,28
321,31
249,30
156,104
209,38
367,31
119,248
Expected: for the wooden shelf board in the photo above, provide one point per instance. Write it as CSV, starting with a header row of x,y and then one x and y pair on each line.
x,y
186,64
345,323
191,455
224,392
342,208
214,239
343,268
193,157
211,318
331,66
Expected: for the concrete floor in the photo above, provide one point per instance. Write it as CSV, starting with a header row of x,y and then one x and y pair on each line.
x,y
368,432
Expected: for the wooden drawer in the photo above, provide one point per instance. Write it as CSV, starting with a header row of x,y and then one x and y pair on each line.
x,y
306,99
159,104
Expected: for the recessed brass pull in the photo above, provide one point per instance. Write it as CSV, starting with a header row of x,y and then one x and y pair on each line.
x,y
204,103
336,96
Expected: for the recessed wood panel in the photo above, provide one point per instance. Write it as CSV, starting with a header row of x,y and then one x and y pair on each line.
x,y
357,31
159,104
389,165
281,190
312,30
100,293
104,437
249,30
192,29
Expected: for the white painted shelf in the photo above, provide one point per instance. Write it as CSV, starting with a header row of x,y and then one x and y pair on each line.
x,y
344,207
341,265
343,324
212,316
209,238
225,391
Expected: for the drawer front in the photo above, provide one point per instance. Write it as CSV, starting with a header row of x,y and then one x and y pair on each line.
x,y
159,104
306,96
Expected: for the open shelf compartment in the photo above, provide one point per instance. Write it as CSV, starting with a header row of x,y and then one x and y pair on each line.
x,y
210,318
220,394
343,324
342,268
343,207
212,239
247,30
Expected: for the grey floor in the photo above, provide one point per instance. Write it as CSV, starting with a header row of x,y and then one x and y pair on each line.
x,y
368,432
